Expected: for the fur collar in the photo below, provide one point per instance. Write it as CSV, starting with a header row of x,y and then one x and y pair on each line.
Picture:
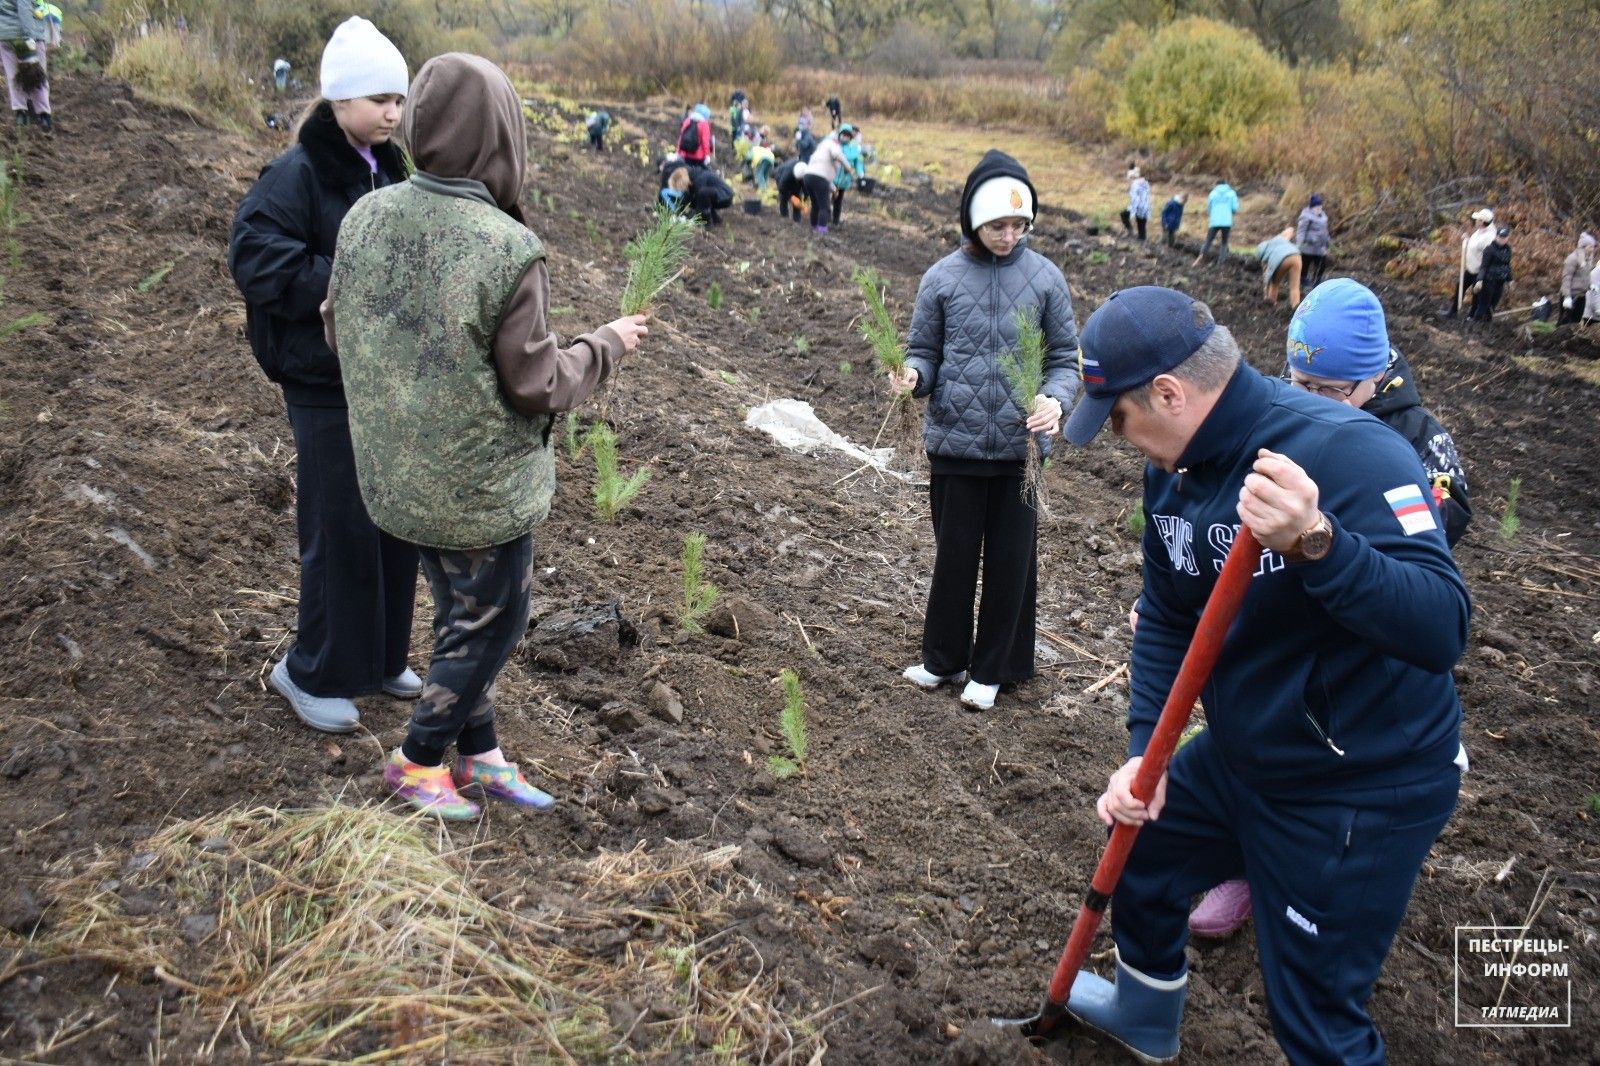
x,y
337,164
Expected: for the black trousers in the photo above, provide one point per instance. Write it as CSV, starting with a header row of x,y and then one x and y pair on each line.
x,y
818,190
1314,266
1468,280
358,584
1128,219
1487,299
480,611
1171,236
982,520
838,204
1567,317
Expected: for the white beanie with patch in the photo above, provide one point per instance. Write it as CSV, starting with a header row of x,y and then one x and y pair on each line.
x,y
360,61
1000,197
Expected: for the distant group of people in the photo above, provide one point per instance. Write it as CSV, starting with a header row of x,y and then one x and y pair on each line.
x,y
1298,253
818,173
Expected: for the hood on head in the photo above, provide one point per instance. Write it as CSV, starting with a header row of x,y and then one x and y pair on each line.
x,y
463,119
994,164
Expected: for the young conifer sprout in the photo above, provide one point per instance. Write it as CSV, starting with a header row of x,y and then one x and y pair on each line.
x,y
793,724
878,329
655,260
699,595
1023,368
611,491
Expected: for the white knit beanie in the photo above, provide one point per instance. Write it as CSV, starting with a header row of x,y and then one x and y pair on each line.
x,y
360,61
1000,197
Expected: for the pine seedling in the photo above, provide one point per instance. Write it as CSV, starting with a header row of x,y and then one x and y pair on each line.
x,y
611,491
879,331
1023,368
714,296
1509,523
698,594
1136,522
655,259
793,725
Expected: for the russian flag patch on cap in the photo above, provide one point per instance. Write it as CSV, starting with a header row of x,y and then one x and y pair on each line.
x,y
1089,370
1411,509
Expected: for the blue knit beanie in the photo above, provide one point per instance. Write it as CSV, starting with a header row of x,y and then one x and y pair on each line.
x,y
1338,333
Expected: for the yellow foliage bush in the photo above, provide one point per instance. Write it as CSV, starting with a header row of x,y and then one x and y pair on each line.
x,y
186,72
1200,82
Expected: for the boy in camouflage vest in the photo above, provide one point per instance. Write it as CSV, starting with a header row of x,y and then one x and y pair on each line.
x,y
437,310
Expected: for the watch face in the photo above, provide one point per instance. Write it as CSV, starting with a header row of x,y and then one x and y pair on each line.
x,y
1315,543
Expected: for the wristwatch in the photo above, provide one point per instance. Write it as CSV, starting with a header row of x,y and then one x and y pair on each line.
x,y
1314,543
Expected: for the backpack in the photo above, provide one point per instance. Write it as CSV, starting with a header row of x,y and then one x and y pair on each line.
x,y
689,140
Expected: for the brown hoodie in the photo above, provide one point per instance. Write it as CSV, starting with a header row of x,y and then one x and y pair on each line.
x,y
463,120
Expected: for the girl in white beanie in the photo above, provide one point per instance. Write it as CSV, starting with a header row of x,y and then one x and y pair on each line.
x,y
976,433
357,584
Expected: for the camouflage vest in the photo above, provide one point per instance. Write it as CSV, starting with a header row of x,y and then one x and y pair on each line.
x,y
420,283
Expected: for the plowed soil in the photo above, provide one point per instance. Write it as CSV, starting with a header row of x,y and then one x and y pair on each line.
x,y
930,860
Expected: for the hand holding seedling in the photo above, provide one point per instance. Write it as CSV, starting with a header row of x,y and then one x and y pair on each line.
x,y
1045,415
903,379
630,328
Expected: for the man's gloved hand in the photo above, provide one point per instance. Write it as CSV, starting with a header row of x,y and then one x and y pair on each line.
x,y
1566,303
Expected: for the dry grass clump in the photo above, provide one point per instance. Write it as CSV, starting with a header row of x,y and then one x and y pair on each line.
x,y
351,932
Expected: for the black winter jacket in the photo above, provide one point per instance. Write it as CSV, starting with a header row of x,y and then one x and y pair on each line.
x,y
281,252
1399,406
1496,262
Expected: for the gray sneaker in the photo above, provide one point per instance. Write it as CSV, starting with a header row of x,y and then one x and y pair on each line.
x,y
329,714
405,685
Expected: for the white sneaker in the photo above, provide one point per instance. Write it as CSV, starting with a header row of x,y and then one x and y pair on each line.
x,y
979,697
329,714
920,676
405,685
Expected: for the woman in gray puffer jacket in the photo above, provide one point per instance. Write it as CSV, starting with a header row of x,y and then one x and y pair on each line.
x,y
1311,235
976,434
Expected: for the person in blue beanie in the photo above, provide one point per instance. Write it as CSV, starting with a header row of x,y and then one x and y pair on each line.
x,y
1339,349
1329,764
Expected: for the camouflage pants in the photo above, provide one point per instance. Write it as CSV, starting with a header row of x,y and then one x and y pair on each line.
x,y
480,601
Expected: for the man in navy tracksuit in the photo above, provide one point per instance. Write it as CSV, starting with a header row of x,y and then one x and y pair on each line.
x,y
1329,764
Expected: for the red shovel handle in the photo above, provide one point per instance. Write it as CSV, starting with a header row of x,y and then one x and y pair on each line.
x,y
1222,605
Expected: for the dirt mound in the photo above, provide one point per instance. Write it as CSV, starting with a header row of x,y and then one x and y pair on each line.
x,y
923,871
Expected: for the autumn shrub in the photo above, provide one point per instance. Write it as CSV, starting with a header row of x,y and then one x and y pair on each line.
x,y
187,72
663,46
1200,82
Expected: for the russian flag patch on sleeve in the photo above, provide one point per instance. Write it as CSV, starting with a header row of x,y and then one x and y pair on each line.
x,y
1410,509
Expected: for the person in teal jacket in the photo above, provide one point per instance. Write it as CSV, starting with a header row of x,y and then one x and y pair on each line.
x,y
1220,205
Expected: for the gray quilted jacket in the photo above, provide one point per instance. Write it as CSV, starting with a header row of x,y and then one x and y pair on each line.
x,y
962,324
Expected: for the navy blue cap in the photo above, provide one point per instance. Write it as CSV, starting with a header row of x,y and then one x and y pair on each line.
x,y
1136,335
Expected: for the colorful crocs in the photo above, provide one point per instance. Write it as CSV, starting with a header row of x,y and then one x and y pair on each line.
x,y
503,782
427,788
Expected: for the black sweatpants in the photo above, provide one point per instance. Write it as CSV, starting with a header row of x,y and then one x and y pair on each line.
x,y
1314,266
1488,299
838,203
982,519
1567,317
818,190
357,583
1128,220
480,611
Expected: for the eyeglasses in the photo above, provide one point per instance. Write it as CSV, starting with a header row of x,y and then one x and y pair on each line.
x,y
1017,227
1332,392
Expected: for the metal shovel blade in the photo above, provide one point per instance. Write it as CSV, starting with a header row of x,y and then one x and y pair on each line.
x,y
1038,1028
